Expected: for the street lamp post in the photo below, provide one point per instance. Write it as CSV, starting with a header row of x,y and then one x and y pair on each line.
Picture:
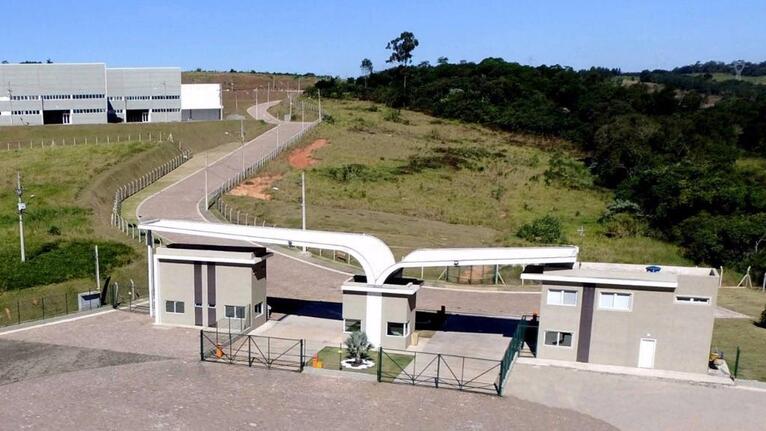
x,y
21,208
242,141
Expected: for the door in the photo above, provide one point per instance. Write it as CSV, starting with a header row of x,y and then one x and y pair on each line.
x,y
646,353
65,118
145,117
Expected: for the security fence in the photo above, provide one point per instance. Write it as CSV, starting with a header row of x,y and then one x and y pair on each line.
x,y
78,140
252,350
138,184
18,311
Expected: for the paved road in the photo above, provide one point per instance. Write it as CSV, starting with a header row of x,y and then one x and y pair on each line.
x,y
291,276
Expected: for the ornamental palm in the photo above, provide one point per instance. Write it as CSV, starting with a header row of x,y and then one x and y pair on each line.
x,y
358,346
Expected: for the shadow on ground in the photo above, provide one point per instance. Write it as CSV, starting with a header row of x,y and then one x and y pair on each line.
x,y
22,360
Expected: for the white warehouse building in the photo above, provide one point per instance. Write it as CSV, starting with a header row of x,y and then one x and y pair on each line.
x,y
91,93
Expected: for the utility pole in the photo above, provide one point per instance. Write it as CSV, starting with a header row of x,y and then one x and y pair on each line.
x,y
98,274
303,120
21,208
242,140
207,203
256,103
319,99
303,202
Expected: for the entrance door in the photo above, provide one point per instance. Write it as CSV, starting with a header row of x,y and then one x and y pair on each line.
x,y
145,117
646,353
65,118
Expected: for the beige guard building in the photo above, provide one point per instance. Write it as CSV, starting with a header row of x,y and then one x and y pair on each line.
x,y
211,286
626,315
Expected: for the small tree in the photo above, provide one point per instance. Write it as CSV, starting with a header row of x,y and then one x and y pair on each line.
x,y
366,67
401,51
358,347
442,60
546,230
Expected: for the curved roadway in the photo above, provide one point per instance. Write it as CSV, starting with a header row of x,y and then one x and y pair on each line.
x,y
296,277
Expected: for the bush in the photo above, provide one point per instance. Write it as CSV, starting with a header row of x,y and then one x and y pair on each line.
x,y
568,172
356,172
762,320
545,230
624,225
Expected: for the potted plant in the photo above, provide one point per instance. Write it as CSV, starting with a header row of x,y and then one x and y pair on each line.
x,y
358,347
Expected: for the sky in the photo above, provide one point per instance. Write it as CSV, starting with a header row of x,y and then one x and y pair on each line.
x,y
331,37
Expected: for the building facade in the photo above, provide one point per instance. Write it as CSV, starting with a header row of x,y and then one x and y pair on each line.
x,y
211,286
91,93
627,315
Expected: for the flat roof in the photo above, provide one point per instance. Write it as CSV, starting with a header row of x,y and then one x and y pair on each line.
x,y
619,278
256,250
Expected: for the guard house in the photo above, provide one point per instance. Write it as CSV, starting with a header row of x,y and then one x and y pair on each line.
x,y
627,315
211,286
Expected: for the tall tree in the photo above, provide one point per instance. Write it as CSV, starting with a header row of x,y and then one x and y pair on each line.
x,y
401,51
442,60
366,67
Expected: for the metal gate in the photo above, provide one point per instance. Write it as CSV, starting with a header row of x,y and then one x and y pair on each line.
x,y
252,350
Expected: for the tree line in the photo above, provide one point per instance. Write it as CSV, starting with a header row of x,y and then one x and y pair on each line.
x,y
673,157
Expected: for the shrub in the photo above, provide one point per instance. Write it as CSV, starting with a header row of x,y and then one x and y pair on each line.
x,y
568,172
356,172
395,116
546,230
358,346
762,320
54,231
624,225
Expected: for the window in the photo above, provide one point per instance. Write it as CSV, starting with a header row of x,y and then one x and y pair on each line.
x,y
352,325
258,309
686,299
615,301
235,312
558,338
174,306
396,329
562,297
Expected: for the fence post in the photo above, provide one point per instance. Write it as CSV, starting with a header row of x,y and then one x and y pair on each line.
x,y
303,359
438,369
736,363
18,310
201,348
66,303
380,363
43,305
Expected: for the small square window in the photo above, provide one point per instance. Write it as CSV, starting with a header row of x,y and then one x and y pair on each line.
x,y
396,329
558,338
235,312
353,325
174,306
258,309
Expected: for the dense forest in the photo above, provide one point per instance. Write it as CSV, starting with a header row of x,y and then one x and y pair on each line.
x,y
690,169
748,69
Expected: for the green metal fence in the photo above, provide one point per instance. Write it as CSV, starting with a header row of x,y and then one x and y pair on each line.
x,y
18,311
252,350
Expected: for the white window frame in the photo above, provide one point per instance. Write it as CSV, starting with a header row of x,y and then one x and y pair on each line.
x,y
175,306
345,325
560,293
707,300
405,329
235,307
558,346
616,293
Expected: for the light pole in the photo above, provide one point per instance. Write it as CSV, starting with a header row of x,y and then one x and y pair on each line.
x,y
21,208
242,140
256,103
303,202
207,203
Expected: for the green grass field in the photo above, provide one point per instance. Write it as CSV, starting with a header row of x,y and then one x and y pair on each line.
x,y
393,363
481,202
728,76
728,334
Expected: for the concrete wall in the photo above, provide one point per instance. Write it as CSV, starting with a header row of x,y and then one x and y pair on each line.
x,y
682,331
395,308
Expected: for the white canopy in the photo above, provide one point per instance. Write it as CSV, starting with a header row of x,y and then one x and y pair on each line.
x,y
373,254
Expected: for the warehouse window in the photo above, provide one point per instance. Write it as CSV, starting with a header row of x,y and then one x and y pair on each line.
x,y
174,306
562,297
615,301
558,338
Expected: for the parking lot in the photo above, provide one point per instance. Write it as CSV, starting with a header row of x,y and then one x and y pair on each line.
x,y
151,377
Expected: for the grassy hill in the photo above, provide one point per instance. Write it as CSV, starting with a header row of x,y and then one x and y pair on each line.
x,y
418,181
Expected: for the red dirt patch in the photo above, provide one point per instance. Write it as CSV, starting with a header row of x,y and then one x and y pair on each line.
x,y
301,158
257,187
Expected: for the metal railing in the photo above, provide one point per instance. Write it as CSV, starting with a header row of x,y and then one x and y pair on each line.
x,y
30,309
512,352
439,370
252,350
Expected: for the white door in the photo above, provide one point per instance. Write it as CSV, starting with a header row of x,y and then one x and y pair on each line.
x,y
646,353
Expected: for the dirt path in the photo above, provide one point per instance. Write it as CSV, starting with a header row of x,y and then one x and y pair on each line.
x,y
302,158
